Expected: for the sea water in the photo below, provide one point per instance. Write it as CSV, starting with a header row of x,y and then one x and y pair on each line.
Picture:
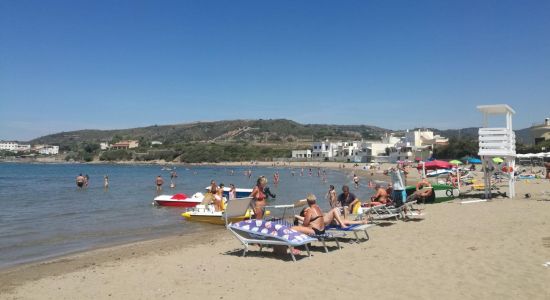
x,y
43,214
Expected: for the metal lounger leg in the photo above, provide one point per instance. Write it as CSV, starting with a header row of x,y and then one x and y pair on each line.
x,y
307,249
356,236
367,235
291,249
324,245
245,250
337,243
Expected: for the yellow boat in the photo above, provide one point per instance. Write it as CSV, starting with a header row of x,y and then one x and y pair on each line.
x,y
208,215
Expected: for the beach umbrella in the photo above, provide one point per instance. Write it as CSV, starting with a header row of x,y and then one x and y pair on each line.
x,y
498,160
455,162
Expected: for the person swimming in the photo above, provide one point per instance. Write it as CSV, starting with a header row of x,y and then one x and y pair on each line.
x,y
80,181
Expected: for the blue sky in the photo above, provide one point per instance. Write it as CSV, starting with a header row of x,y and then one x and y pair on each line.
x,y
67,65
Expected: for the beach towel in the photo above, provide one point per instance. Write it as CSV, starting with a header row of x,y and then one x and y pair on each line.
x,y
261,229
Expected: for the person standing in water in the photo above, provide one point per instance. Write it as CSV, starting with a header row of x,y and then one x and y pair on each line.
x,y
80,181
86,180
159,182
106,182
276,178
356,181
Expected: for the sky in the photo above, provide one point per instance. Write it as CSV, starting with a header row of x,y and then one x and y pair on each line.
x,y
68,65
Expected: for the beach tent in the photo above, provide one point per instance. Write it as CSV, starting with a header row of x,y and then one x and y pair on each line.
x,y
434,165
473,160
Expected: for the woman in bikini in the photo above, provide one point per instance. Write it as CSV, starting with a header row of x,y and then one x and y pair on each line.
x,y
313,222
258,194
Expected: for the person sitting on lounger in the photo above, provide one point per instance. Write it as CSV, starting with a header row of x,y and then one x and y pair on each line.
x,y
332,217
347,200
313,223
381,196
423,191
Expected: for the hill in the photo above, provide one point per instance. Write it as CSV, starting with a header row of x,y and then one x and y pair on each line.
x,y
250,131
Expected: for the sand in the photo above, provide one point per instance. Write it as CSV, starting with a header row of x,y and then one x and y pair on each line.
x,y
487,250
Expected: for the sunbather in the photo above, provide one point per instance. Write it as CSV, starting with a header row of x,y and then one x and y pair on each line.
x,y
313,223
333,217
381,196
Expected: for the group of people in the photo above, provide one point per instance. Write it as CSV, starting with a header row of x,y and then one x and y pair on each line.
x,y
82,181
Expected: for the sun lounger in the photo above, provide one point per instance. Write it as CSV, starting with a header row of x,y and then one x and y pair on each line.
x,y
380,213
262,232
407,211
355,228
323,238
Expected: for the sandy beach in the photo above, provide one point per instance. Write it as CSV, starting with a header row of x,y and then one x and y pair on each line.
x,y
488,250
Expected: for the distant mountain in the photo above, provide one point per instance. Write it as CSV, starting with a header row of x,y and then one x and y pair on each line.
x,y
253,131
277,131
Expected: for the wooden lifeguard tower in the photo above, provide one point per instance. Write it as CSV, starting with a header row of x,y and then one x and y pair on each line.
x,y
497,142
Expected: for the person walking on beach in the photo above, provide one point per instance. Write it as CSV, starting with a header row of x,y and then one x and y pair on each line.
x,y
398,185
159,182
106,182
80,181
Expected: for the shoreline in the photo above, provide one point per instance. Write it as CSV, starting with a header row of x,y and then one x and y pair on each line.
x,y
16,275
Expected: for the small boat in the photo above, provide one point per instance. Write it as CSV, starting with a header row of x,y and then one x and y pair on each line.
x,y
207,214
178,200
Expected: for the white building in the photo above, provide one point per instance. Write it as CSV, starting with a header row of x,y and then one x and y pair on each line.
x,y
301,154
104,145
156,143
23,147
47,149
424,137
324,149
9,146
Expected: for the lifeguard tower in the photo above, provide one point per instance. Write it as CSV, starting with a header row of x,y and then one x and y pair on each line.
x,y
497,142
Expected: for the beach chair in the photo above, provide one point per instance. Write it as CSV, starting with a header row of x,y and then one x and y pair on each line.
x,y
380,213
286,207
324,237
262,232
411,212
355,229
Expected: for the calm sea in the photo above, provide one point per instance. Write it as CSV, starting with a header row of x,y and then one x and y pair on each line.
x,y
44,215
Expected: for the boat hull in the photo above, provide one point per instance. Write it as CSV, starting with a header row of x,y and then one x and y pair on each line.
x,y
216,220
176,203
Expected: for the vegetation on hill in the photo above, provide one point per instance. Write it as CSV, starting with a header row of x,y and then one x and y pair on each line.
x,y
251,131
